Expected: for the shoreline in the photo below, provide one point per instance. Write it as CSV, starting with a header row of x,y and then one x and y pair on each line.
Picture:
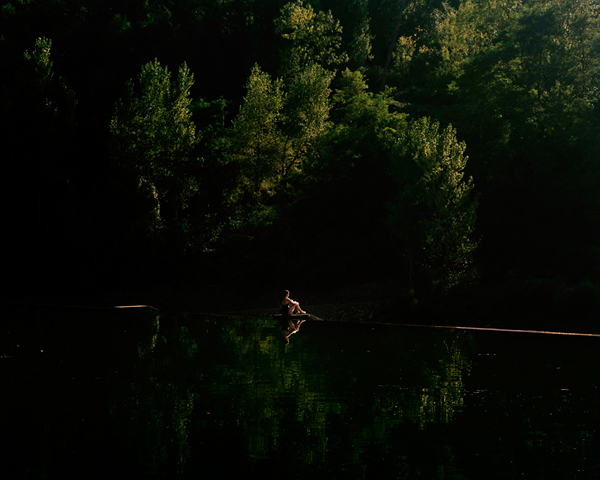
x,y
375,302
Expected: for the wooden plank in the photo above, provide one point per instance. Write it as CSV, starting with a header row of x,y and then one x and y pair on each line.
x,y
136,306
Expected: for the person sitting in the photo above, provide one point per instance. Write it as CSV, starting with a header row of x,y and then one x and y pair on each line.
x,y
289,306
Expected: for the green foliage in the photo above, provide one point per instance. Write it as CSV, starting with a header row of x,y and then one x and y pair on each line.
x,y
345,184
257,138
48,91
517,79
531,67
40,62
359,119
277,125
153,141
312,37
38,124
306,111
469,30
357,35
434,211
361,108
360,46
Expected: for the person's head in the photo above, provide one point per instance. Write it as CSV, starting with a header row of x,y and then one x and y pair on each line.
x,y
286,293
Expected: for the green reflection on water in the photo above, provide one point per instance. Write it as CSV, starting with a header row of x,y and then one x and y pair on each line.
x,y
229,389
130,394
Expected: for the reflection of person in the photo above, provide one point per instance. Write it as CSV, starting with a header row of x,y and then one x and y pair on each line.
x,y
289,327
289,306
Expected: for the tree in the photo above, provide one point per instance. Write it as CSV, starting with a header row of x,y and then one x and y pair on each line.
x,y
275,129
516,79
434,211
153,141
357,36
393,41
257,140
306,112
345,184
311,37
360,43
37,119
529,67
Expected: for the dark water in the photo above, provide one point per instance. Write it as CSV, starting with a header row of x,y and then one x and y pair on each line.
x,y
135,394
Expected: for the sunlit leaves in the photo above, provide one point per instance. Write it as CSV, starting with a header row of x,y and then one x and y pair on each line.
x,y
434,212
542,55
311,37
307,107
357,107
360,46
153,123
470,29
40,61
154,136
38,79
257,138
559,47
278,123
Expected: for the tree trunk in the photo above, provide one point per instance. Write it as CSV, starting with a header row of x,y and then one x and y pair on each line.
x,y
388,59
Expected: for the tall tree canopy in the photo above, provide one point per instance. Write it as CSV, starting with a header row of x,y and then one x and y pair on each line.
x,y
434,211
154,141
310,37
351,118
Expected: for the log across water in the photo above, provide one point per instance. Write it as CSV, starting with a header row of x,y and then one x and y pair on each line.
x,y
300,316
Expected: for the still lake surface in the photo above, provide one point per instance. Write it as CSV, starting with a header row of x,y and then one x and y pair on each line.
x,y
143,394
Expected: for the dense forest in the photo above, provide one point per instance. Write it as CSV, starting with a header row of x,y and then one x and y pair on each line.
x,y
447,147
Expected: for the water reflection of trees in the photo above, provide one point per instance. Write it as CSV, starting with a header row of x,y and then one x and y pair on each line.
x,y
208,390
154,403
332,407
